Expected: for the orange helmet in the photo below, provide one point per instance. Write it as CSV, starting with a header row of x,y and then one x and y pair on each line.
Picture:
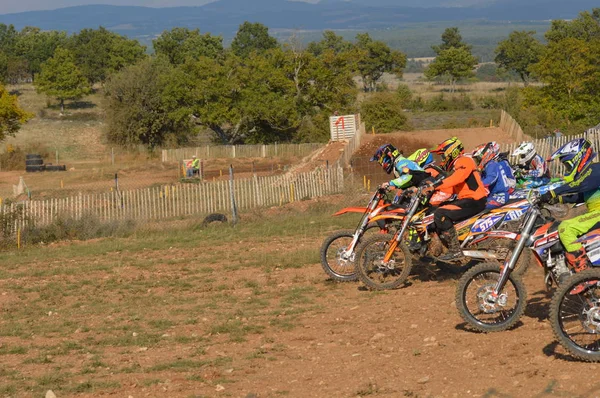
x,y
449,150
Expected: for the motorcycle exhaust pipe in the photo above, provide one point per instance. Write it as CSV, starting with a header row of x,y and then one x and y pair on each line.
x,y
479,254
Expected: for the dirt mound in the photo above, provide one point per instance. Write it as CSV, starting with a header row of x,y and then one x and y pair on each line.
x,y
405,144
324,157
408,142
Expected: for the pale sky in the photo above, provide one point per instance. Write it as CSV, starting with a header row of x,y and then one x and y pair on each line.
x,y
10,6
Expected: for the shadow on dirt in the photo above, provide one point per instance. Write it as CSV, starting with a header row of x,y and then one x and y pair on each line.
x,y
466,328
428,269
550,351
538,305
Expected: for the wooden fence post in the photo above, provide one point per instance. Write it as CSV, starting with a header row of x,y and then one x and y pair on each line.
x,y
232,195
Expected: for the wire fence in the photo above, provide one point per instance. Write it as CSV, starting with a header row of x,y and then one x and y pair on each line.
x,y
176,200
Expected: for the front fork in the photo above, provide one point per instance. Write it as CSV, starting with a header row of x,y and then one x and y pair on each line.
x,y
509,264
362,227
414,204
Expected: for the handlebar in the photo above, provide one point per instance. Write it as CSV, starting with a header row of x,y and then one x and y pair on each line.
x,y
533,196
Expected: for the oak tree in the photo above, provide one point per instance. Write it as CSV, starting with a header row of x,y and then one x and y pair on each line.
x,y
61,78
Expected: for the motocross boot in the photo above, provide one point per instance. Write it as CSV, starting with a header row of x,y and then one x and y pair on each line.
x,y
578,260
451,240
414,242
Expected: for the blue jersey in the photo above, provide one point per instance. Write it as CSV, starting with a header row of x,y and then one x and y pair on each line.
x,y
498,177
402,171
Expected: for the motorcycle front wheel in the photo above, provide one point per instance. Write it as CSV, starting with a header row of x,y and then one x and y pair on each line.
x,y
575,315
478,306
336,260
376,273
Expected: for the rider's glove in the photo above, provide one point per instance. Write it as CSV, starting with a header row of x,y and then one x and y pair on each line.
x,y
548,197
427,188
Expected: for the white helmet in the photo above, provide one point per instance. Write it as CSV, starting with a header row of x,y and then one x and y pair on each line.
x,y
524,153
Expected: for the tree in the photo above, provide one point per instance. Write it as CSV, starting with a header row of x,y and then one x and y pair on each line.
x,y
331,42
374,58
252,37
60,78
179,44
11,115
383,111
586,27
99,52
36,47
8,39
570,70
569,67
279,95
451,38
141,109
3,67
124,52
454,63
519,52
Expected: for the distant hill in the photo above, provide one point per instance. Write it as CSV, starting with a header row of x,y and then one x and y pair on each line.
x,y
223,17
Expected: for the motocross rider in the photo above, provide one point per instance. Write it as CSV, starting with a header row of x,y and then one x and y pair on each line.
x,y
465,181
497,176
407,173
531,166
582,184
422,157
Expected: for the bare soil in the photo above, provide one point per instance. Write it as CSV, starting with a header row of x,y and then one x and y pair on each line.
x,y
329,340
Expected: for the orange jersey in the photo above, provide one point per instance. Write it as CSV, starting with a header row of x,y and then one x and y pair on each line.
x,y
465,180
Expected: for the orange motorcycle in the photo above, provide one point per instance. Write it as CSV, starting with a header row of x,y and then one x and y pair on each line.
x,y
385,261
338,249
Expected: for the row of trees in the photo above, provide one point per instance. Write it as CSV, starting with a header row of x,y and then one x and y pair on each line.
x,y
261,91
566,69
256,91
568,66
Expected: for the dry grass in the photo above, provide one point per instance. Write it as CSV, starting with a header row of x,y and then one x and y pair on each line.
x,y
420,87
76,135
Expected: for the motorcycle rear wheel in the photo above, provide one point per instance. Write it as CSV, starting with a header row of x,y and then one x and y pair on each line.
x,y
376,274
575,316
477,306
338,268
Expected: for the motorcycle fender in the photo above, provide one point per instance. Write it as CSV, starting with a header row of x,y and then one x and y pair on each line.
x,y
350,210
388,216
591,235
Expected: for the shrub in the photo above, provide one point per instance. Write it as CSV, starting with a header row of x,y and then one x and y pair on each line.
x,y
313,129
404,95
490,102
14,156
442,103
384,112
67,228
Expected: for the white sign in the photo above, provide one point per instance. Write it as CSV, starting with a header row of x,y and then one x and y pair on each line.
x,y
342,127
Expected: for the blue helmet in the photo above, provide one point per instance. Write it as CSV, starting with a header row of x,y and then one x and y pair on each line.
x,y
576,155
385,156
